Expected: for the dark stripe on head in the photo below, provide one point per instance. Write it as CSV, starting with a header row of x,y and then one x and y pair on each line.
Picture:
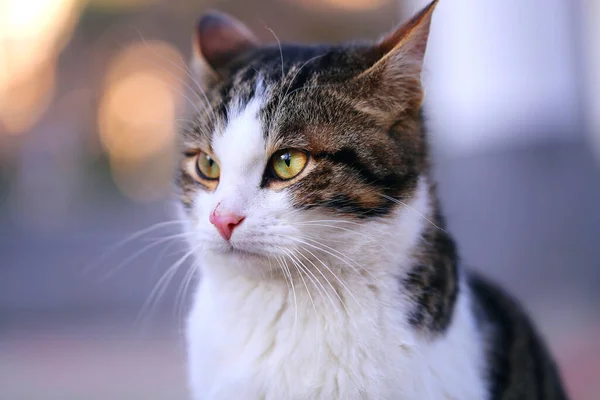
x,y
349,158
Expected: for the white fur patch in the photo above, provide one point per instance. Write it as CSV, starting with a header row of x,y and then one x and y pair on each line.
x,y
241,153
333,324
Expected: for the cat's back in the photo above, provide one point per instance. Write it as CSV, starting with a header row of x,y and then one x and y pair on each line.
x,y
518,364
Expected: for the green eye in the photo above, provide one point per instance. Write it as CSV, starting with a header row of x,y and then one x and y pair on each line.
x,y
288,163
207,167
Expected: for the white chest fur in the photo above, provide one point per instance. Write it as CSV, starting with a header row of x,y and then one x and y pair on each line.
x,y
249,339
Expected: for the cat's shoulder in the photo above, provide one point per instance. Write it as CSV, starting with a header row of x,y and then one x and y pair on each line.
x,y
518,362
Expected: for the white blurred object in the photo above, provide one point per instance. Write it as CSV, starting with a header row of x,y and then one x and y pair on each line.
x,y
500,73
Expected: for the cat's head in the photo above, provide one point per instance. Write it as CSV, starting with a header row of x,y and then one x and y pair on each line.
x,y
302,152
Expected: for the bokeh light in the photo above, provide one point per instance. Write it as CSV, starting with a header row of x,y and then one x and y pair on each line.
x,y
346,5
26,97
136,116
32,33
142,94
117,6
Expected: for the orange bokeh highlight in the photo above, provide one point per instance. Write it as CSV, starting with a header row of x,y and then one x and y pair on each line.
x,y
344,5
32,33
143,91
136,116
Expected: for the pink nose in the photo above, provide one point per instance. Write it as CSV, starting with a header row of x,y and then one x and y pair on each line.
x,y
225,223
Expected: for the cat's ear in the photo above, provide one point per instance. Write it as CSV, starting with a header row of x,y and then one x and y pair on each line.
x,y
395,77
217,40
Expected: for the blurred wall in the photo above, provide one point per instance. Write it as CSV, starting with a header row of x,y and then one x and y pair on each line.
x,y
591,32
503,73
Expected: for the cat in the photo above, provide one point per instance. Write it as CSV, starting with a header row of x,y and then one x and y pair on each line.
x,y
326,270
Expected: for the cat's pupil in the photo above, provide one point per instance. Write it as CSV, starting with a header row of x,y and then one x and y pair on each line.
x,y
287,159
210,162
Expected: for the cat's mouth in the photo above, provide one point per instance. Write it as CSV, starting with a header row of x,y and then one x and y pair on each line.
x,y
242,253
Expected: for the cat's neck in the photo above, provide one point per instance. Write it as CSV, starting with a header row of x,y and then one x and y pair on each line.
x,y
433,281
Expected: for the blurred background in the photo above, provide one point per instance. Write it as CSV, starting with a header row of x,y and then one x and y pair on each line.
x,y
90,94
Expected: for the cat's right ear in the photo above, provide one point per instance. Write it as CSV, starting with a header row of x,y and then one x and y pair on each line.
x,y
218,40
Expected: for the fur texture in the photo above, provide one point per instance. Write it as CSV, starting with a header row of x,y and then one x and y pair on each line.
x,y
340,282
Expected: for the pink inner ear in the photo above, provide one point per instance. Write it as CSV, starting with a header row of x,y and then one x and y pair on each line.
x,y
221,38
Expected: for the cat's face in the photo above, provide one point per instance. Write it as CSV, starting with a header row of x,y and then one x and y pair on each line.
x,y
297,151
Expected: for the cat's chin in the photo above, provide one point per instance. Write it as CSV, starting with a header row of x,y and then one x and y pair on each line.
x,y
242,254
239,261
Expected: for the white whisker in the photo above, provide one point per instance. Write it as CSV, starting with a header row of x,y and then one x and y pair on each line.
x,y
335,276
182,291
357,268
280,49
287,272
342,302
186,71
161,286
309,272
398,201
132,257
128,239
314,307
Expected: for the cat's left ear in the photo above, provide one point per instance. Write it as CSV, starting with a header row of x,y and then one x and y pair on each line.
x,y
218,40
395,78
